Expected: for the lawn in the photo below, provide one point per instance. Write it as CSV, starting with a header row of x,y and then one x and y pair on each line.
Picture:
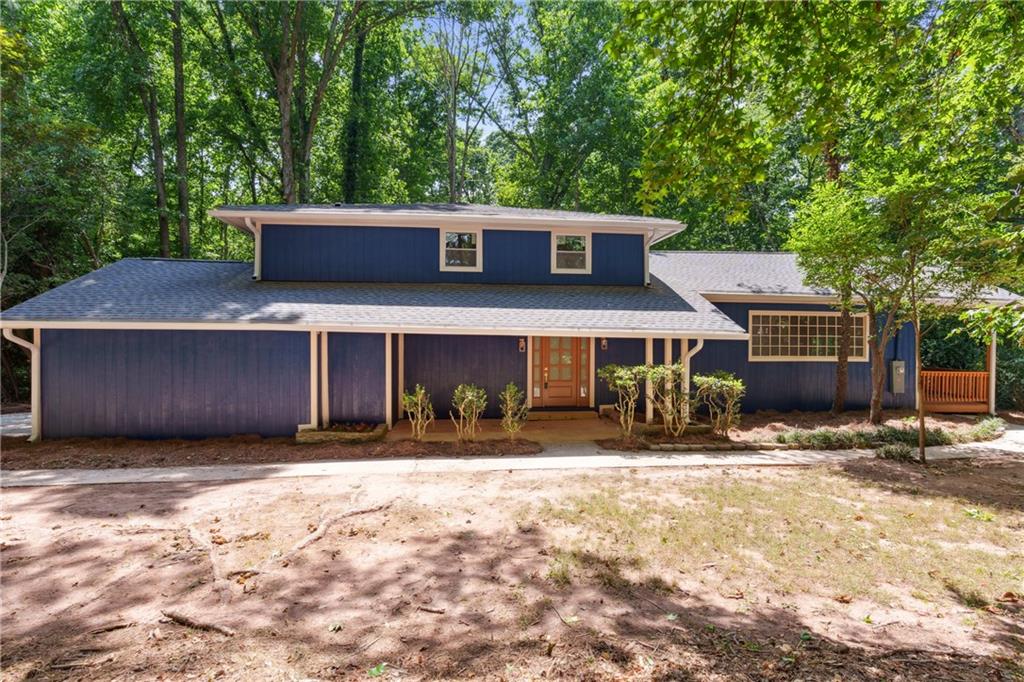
x,y
873,569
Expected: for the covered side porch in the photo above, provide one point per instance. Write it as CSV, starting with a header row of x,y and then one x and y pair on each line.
x,y
956,391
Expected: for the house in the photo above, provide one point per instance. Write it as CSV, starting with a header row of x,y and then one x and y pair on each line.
x,y
345,306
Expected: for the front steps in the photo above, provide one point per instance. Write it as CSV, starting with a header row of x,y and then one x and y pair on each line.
x,y
559,415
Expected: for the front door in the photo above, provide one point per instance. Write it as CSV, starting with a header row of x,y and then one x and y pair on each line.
x,y
560,371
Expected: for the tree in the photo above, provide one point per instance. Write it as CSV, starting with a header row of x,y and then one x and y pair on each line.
x,y
180,153
146,88
458,62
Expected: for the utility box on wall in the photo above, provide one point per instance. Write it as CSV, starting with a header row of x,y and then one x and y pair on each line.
x,y
898,376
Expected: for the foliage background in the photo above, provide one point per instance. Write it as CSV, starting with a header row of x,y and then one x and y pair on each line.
x,y
593,106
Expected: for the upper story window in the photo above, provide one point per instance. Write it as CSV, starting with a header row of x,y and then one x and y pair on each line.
x,y
462,250
570,253
803,336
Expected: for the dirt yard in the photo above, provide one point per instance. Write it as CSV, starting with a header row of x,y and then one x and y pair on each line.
x,y
109,453
873,570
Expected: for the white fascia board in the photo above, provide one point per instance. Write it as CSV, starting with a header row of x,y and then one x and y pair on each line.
x,y
435,220
818,299
375,329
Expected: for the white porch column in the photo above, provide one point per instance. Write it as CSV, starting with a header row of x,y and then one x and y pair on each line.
x,y
648,393
992,374
529,372
36,384
325,383
401,374
388,417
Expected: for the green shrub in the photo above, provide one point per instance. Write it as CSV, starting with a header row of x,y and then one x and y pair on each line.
x,y
826,439
626,382
897,451
419,410
670,400
469,401
720,393
513,410
988,428
1010,378
908,436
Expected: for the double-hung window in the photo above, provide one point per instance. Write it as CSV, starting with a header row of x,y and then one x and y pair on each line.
x,y
462,250
777,335
570,253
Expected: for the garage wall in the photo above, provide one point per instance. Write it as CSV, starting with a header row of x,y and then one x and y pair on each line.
x,y
173,384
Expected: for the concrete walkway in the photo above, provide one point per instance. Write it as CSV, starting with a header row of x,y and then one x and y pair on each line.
x,y
17,424
566,456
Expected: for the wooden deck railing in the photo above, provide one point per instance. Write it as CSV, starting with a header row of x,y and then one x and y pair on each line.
x,y
954,390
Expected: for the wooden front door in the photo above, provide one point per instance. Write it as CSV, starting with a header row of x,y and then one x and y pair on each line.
x,y
560,368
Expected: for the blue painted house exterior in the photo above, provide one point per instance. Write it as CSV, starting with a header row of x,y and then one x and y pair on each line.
x,y
346,307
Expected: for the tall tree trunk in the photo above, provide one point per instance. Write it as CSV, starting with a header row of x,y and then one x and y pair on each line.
x,y
921,431
147,95
181,156
451,136
832,170
354,125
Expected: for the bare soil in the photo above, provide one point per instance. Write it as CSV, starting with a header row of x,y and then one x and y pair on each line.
x,y
112,453
524,575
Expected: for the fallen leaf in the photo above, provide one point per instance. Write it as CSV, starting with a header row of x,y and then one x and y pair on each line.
x,y
843,598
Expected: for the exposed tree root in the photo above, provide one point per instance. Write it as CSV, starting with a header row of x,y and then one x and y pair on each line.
x,y
182,619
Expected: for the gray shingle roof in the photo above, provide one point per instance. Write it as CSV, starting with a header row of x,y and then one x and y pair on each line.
x,y
750,272
154,290
448,210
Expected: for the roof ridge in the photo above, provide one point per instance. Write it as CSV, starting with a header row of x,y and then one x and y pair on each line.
x,y
181,260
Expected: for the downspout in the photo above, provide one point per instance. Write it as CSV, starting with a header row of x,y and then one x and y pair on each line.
x,y
36,402
687,356
257,260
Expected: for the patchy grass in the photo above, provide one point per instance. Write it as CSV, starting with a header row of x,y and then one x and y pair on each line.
x,y
817,532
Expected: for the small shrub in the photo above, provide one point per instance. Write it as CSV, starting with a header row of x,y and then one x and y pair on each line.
x,y
721,393
825,438
894,434
988,428
420,411
469,401
670,400
896,451
625,381
513,410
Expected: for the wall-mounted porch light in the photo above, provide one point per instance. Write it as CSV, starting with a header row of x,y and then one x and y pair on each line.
x,y
604,344
522,345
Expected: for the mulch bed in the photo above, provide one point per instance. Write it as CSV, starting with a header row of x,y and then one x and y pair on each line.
x,y
114,453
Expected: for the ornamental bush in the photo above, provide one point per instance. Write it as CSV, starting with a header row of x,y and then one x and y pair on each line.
x,y
418,408
469,401
513,410
721,393
670,400
626,382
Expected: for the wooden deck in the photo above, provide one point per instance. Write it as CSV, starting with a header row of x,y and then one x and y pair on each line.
x,y
954,391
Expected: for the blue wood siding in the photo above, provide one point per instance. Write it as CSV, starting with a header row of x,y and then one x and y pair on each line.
x,y
173,384
806,386
620,352
411,255
442,362
355,369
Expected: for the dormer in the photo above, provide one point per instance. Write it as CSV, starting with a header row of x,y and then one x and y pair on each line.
x,y
446,243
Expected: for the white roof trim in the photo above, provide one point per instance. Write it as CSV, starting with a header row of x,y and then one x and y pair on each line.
x,y
660,228
408,329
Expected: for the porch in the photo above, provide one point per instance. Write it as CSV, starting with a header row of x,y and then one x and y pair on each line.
x,y
955,391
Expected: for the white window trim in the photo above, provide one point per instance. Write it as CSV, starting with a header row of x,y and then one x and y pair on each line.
x,y
799,358
479,232
587,236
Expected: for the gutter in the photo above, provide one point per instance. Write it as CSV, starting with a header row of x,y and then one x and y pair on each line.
x,y
36,386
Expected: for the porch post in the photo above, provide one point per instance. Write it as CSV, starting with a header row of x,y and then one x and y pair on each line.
x,y
388,418
325,383
592,369
401,373
992,374
35,396
648,393
529,372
